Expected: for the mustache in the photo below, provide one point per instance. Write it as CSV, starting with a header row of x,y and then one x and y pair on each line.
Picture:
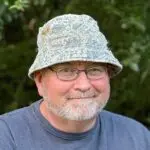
x,y
82,95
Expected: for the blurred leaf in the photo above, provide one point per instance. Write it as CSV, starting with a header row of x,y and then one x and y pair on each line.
x,y
20,5
134,67
144,74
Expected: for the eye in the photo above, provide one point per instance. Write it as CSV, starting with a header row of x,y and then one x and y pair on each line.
x,y
66,70
96,70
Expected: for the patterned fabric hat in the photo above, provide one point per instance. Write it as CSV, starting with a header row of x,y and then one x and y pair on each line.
x,y
72,37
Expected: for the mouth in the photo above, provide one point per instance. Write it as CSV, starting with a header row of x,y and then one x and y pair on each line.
x,y
72,98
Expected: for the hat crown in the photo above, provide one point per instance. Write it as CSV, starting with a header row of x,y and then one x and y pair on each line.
x,y
70,31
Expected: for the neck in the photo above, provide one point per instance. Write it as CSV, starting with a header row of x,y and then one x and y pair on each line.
x,y
71,126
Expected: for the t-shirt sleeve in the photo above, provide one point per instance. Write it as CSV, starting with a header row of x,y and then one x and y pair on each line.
x,y
146,139
137,134
125,133
6,139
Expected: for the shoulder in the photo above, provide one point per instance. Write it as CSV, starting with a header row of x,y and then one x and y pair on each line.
x,y
17,119
14,126
125,129
14,121
120,120
15,115
9,121
20,115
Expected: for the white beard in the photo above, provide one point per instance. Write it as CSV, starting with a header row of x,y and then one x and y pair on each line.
x,y
82,110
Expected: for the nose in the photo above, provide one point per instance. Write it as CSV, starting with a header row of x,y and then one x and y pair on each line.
x,y
82,83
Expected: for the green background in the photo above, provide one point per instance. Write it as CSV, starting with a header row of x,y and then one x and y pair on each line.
x,y
126,25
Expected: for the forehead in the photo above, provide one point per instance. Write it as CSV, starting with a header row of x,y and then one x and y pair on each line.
x,y
80,63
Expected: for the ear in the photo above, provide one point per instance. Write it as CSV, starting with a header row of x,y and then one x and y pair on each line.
x,y
38,78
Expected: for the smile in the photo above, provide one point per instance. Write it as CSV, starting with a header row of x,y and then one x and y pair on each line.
x,y
81,97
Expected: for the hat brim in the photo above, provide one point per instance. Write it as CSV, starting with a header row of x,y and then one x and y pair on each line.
x,y
46,59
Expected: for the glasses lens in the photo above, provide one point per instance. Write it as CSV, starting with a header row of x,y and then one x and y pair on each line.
x,y
96,72
67,73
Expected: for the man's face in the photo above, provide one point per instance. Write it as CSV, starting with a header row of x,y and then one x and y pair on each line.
x,y
78,99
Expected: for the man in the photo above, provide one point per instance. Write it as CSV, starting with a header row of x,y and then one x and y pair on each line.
x,y
72,72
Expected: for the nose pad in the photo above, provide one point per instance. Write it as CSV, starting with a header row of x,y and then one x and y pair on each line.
x,y
82,83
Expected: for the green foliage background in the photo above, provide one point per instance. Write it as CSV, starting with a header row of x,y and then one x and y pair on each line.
x,y
125,23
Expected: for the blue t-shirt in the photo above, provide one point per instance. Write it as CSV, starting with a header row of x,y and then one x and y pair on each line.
x,y
27,129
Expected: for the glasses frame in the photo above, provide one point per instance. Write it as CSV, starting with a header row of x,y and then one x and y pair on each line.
x,y
77,73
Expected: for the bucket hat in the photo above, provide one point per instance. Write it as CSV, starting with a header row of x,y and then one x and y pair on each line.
x,y
72,37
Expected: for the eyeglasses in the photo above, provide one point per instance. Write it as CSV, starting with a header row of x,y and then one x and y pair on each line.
x,y
69,74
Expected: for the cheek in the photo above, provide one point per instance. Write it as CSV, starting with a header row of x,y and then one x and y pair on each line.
x,y
57,89
102,86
